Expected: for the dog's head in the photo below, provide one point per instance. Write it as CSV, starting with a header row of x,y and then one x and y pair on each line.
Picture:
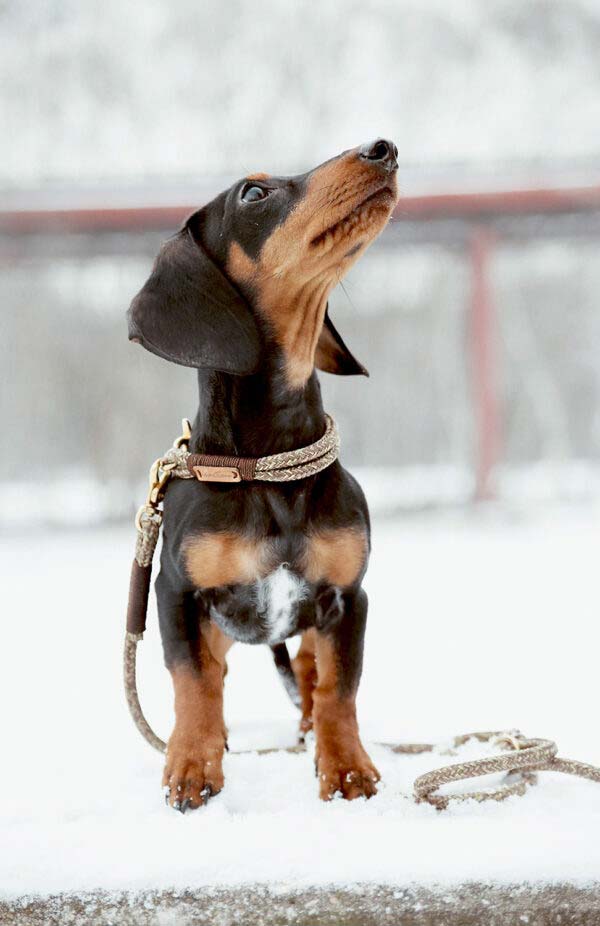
x,y
251,271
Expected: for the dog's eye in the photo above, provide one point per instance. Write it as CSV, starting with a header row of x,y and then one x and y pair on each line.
x,y
252,194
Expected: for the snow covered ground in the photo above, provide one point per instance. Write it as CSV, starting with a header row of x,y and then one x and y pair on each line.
x,y
478,621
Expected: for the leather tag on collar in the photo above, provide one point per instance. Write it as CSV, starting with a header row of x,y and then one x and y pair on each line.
x,y
207,467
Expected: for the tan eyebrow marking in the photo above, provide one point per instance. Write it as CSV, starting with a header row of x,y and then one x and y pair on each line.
x,y
258,177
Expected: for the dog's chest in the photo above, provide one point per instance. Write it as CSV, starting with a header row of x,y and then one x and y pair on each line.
x,y
278,597
268,611
263,591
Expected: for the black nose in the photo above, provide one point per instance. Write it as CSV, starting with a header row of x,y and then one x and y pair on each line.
x,y
382,152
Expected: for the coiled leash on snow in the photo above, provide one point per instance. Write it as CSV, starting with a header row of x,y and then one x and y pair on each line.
x,y
523,757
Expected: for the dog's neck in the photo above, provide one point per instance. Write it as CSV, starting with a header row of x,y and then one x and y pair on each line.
x,y
255,415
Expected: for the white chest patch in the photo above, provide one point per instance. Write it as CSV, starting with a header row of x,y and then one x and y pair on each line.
x,y
277,599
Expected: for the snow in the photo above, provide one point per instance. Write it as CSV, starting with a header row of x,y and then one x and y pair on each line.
x,y
478,620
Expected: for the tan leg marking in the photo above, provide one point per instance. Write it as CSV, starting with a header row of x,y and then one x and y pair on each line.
x,y
224,558
336,556
305,670
218,642
343,766
193,769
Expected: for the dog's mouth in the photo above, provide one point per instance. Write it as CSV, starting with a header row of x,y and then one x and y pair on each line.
x,y
383,197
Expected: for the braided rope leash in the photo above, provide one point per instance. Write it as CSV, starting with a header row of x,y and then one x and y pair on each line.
x,y
522,757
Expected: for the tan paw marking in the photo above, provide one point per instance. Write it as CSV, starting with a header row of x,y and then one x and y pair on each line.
x,y
350,776
192,776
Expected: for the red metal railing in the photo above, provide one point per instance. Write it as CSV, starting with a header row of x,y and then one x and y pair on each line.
x,y
417,208
483,362
476,209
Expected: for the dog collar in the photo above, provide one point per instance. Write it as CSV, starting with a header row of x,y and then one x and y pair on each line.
x,y
277,467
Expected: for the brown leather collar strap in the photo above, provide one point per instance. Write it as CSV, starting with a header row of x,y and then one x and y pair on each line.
x,y
207,467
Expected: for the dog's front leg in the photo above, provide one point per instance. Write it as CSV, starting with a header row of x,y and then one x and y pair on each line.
x,y
193,770
343,766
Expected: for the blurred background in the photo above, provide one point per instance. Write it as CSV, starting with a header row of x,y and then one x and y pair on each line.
x,y
476,312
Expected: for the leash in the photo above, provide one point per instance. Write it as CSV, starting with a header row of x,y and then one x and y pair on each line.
x,y
521,758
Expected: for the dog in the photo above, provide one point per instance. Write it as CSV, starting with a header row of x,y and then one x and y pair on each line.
x,y
240,294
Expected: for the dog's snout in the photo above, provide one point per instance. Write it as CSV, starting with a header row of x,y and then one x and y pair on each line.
x,y
381,152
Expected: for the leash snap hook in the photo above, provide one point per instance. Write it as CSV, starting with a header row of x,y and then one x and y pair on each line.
x,y
160,473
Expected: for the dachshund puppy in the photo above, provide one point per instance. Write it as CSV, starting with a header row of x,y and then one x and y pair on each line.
x,y
240,294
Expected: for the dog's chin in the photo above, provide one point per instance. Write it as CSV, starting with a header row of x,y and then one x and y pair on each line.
x,y
361,224
380,205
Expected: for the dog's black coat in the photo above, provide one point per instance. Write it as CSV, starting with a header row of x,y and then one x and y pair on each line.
x,y
191,311
247,417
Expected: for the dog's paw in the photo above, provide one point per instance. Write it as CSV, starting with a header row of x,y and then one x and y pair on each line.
x,y
192,776
352,778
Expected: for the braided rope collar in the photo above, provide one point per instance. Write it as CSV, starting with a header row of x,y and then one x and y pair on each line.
x,y
278,467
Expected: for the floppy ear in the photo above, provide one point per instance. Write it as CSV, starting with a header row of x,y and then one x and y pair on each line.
x,y
332,355
190,313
